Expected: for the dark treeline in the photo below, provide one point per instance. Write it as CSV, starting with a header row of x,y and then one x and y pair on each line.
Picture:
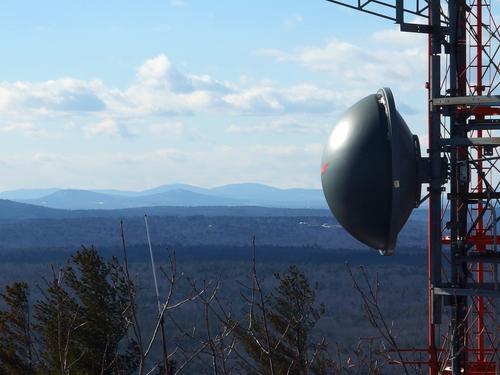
x,y
284,231
265,253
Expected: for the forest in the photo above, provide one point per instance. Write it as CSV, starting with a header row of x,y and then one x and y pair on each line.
x,y
216,266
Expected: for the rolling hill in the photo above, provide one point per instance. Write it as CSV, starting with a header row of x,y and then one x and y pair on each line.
x,y
171,195
10,210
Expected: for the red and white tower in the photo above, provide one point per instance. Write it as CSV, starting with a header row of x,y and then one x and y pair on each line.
x,y
464,119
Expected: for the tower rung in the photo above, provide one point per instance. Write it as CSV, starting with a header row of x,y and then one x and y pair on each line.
x,y
483,123
470,292
467,100
484,195
460,141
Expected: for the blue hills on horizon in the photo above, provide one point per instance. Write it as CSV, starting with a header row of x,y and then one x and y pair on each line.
x,y
85,208
247,194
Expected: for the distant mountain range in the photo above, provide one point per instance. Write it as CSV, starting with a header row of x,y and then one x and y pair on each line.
x,y
10,210
170,195
27,226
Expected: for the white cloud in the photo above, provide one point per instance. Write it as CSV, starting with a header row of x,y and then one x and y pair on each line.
x,y
290,150
176,128
261,98
158,73
180,119
155,156
285,165
171,130
328,58
64,95
305,98
25,129
154,69
160,90
5,96
49,158
387,58
393,58
301,125
105,128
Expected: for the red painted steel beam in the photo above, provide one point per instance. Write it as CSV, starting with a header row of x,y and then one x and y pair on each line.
x,y
480,229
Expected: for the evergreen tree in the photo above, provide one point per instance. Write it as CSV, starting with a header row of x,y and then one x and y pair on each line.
x,y
58,318
84,317
15,337
278,337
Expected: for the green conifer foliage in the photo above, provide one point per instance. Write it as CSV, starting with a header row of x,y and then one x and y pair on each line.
x,y
277,336
83,319
58,318
15,338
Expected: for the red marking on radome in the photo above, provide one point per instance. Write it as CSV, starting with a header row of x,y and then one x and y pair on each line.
x,y
324,167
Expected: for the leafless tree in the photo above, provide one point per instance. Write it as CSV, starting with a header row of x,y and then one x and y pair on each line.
x,y
170,303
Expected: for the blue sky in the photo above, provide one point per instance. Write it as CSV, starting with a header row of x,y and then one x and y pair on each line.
x,y
131,95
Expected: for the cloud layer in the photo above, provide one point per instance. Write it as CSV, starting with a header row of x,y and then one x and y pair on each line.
x,y
160,89
168,125
388,57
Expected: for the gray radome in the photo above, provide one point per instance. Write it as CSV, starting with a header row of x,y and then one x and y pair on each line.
x,y
369,171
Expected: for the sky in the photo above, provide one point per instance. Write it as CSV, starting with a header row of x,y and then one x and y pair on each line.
x,y
135,94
